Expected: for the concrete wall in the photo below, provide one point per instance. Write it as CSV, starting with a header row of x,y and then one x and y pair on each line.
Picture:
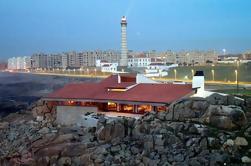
x,y
73,115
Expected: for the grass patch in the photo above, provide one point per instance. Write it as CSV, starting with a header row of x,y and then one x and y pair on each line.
x,y
241,92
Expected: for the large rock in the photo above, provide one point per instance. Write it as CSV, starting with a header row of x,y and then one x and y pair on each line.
x,y
185,109
109,131
224,117
241,141
218,99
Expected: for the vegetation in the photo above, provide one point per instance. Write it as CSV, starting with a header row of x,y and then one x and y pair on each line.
x,y
222,72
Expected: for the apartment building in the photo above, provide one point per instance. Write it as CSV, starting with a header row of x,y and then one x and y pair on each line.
x,y
189,57
39,61
19,63
54,61
88,58
12,63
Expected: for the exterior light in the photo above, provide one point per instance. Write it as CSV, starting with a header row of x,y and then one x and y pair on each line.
x,y
212,74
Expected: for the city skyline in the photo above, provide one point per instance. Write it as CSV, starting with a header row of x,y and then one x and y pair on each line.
x,y
29,27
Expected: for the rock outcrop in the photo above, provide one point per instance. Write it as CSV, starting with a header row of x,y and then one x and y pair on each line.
x,y
200,136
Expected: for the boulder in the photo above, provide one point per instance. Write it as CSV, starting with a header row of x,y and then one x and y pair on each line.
x,y
240,141
246,159
64,161
186,109
109,131
224,117
219,99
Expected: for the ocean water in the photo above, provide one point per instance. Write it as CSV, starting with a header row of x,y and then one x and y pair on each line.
x,y
28,88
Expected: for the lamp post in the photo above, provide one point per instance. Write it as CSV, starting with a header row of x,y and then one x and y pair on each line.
x,y
237,75
192,73
212,74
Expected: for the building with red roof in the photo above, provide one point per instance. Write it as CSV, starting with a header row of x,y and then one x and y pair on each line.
x,y
128,93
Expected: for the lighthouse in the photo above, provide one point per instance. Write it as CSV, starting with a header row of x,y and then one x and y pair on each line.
x,y
124,50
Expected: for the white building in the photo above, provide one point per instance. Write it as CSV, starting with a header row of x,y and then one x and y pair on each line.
x,y
109,67
158,69
105,66
19,63
140,60
12,63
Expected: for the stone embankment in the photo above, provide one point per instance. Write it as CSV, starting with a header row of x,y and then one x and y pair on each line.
x,y
193,132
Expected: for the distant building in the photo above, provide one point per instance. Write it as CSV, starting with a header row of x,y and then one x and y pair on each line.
x,y
12,63
158,69
3,66
39,61
189,57
88,58
110,67
246,55
229,58
139,60
19,63
54,61
106,66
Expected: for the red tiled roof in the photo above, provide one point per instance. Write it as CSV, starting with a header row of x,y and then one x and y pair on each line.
x,y
155,93
159,93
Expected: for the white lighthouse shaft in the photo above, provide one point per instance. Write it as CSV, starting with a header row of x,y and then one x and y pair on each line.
x,y
123,60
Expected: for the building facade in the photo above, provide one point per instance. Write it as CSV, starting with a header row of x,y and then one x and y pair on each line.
x,y
19,63
39,61
54,61
88,58
189,57
138,60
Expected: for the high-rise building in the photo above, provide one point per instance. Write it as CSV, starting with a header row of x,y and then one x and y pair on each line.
x,y
54,61
39,60
19,63
12,63
123,60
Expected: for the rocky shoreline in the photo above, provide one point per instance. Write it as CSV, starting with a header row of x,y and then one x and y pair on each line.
x,y
212,131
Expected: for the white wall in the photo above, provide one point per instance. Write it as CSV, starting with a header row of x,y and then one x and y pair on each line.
x,y
72,115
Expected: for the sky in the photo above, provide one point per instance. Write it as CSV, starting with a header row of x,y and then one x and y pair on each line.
x,y
54,26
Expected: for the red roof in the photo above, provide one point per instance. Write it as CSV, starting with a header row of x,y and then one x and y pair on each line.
x,y
144,92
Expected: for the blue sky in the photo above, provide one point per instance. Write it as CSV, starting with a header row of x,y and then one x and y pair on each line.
x,y
51,26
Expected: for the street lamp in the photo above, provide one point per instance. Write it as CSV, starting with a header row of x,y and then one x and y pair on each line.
x,y
175,74
212,74
236,80
192,73
237,75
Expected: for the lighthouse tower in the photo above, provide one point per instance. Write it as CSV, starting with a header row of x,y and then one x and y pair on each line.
x,y
123,58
